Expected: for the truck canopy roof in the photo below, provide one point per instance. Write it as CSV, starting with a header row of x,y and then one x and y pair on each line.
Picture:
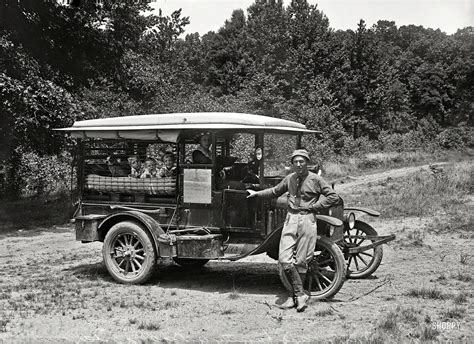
x,y
167,127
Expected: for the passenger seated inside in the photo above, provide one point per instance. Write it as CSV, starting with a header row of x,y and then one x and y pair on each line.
x,y
116,167
168,169
150,169
135,167
202,155
159,159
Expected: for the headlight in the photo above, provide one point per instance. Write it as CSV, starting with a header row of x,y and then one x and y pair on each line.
x,y
350,220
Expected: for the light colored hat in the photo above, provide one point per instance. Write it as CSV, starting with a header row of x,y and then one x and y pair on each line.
x,y
300,152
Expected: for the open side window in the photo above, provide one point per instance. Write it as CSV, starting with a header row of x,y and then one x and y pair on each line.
x,y
127,171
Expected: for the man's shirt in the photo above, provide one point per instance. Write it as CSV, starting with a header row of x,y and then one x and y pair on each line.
x,y
312,187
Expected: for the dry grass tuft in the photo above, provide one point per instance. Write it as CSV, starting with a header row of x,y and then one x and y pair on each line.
x,y
234,295
3,325
149,326
388,323
407,314
461,298
427,333
464,258
324,312
428,293
463,277
454,313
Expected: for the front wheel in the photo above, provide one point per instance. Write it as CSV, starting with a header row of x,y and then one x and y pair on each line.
x,y
129,254
362,264
326,271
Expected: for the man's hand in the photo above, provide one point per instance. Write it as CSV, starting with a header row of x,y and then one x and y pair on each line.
x,y
252,193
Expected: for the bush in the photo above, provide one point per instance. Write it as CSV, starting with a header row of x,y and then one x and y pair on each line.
x,y
43,176
360,146
456,138
411,141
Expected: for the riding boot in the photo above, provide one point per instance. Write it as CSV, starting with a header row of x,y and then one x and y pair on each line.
x,y
289,303
303,278
295,281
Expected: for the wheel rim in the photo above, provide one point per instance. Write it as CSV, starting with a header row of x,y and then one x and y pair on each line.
x,y
128,254
358,262
321,275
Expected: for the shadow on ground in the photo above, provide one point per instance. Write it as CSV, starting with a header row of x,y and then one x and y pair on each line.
x,y
220,277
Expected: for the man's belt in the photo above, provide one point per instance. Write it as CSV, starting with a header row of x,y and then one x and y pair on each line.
x,y
299,212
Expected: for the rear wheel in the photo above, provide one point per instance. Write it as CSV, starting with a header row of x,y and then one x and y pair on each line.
x,y
326,271
190,262
362,264
128,253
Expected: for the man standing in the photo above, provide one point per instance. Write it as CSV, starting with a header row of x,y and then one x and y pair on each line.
x,y
299,231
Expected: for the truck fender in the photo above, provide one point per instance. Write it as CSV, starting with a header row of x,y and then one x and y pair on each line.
x,y
367,211
150,224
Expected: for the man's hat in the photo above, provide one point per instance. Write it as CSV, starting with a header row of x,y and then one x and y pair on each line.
x,y
300,152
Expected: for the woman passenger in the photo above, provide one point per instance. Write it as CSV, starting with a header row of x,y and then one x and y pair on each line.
x,y
202,155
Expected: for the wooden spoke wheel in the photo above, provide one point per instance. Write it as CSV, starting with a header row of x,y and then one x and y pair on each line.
x,y
362,264
326,271
129,254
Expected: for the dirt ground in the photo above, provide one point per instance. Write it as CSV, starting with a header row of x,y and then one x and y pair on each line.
x,y
54,289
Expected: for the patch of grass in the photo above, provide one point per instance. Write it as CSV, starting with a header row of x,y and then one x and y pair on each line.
x,y
441,279
427,333
460,298
324,312
373,338
227,311
464,258
463,277
149,326
388,323
3,325
415,238
173,293
454,313
132,321
5,295
428,293
171,304
30,296
234,295
407,314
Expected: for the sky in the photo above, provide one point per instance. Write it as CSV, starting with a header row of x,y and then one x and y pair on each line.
x,y
447,15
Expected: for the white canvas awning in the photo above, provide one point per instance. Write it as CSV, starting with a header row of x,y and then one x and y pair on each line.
x,y
167,127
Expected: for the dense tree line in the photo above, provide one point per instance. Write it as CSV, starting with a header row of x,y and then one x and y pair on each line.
x,y
381,86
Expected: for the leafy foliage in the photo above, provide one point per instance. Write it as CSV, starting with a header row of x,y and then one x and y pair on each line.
x,y
372,88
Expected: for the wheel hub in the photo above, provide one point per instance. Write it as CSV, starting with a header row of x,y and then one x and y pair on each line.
x,y
129,252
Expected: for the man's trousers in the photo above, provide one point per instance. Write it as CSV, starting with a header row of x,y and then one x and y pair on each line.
x,y
298,241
